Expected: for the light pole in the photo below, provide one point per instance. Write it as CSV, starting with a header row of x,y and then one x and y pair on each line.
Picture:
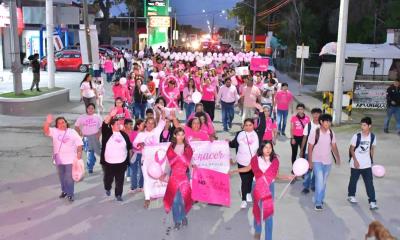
x,y
16,67
87,31
340,61
253,39
50,44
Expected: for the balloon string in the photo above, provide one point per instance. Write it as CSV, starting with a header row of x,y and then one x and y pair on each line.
x,y
285,189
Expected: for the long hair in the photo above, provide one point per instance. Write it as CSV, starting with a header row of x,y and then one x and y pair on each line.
x,y
202,114
137,124
260,153
173,138
85,78
193,87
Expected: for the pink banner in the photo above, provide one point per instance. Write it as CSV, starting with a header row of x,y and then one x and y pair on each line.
x,y
211,187
259,64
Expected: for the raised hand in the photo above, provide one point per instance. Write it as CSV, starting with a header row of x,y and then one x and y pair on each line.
x,y
49,118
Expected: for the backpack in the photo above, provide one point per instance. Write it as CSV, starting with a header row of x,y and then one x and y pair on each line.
x,y
358,142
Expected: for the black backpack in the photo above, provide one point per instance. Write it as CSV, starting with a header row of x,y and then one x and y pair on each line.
x,y
358,142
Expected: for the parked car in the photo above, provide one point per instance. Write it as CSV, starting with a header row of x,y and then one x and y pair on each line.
x,y
115,50
105,52
67,60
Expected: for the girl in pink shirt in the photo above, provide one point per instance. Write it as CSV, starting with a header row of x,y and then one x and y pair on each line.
x,y
270,126
120,90
109,68
297,124
122,112
209,92
170,92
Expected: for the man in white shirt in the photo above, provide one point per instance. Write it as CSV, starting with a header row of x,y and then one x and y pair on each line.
x,y
228,97
309,178
362,149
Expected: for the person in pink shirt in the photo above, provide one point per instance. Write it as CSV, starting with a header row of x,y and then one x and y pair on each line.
x,y
122,112
109,68
270,126
258,80
135,162
120,90
209,93
188,91
193,131
250,95
170,92
297,125
182,80
283,100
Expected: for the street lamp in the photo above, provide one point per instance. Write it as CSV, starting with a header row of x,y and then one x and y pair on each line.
x,y
254,7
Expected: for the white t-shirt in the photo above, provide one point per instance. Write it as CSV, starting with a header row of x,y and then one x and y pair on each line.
x,y
150,138
71,141
243,155
305,131
264,165
116,149
87,92
88,124
362,151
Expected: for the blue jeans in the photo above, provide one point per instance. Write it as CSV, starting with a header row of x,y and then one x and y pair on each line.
x,y
389,112
139,109
281,119
136,173
178,208
91,158
65,175
228,113
309,180
321,172
269,221
109,77
189,109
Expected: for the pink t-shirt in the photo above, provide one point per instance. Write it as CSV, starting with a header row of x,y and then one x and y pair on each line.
x,y
132,135
250,96
108,66
297,125
196,135
182,82
322,150
283,99
270,126
122,92
171,97
208,93
70,142
88,124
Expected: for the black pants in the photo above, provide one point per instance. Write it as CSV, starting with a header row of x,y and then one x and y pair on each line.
x,y
180,101
295,147
209,107
368,181
247,181
117,172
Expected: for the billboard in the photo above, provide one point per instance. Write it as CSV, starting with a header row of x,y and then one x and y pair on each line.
x,y
160,21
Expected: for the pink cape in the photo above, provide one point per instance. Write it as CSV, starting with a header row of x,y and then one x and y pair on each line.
x,y
178,179
261,190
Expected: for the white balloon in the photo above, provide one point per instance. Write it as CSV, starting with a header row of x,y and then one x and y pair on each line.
x,y
161,74
143,88
231,54
196,97
122,81
229,60
215,55
209,54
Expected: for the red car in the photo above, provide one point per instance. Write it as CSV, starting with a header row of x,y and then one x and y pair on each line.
x,y
67,60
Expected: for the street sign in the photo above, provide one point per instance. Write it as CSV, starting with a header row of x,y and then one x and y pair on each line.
x,y
160,21
4,15
302,52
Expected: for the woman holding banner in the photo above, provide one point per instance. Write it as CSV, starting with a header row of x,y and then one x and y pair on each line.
x,y
265,167
178,194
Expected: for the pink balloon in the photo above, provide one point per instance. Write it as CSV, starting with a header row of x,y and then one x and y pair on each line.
x,y
154,170
378,171
300,167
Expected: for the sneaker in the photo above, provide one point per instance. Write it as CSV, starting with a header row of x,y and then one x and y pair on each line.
x,y
119,198
70,198
313,189
108,193
185,222
283,134
63,195
128,179
38,90
386,130
373,206
318,208
257,236
305,191
177,226
243,205
249,199
352,199
90,171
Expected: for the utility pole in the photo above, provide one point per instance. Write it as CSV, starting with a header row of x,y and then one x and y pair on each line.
x,y
50,44
212,27
135,35
253,44
16,67
87,31
175,38
340,61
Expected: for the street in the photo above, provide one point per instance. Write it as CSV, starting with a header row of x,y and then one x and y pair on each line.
x,y
30,208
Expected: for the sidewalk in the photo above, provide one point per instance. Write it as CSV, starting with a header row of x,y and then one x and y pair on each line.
x,y
301,94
